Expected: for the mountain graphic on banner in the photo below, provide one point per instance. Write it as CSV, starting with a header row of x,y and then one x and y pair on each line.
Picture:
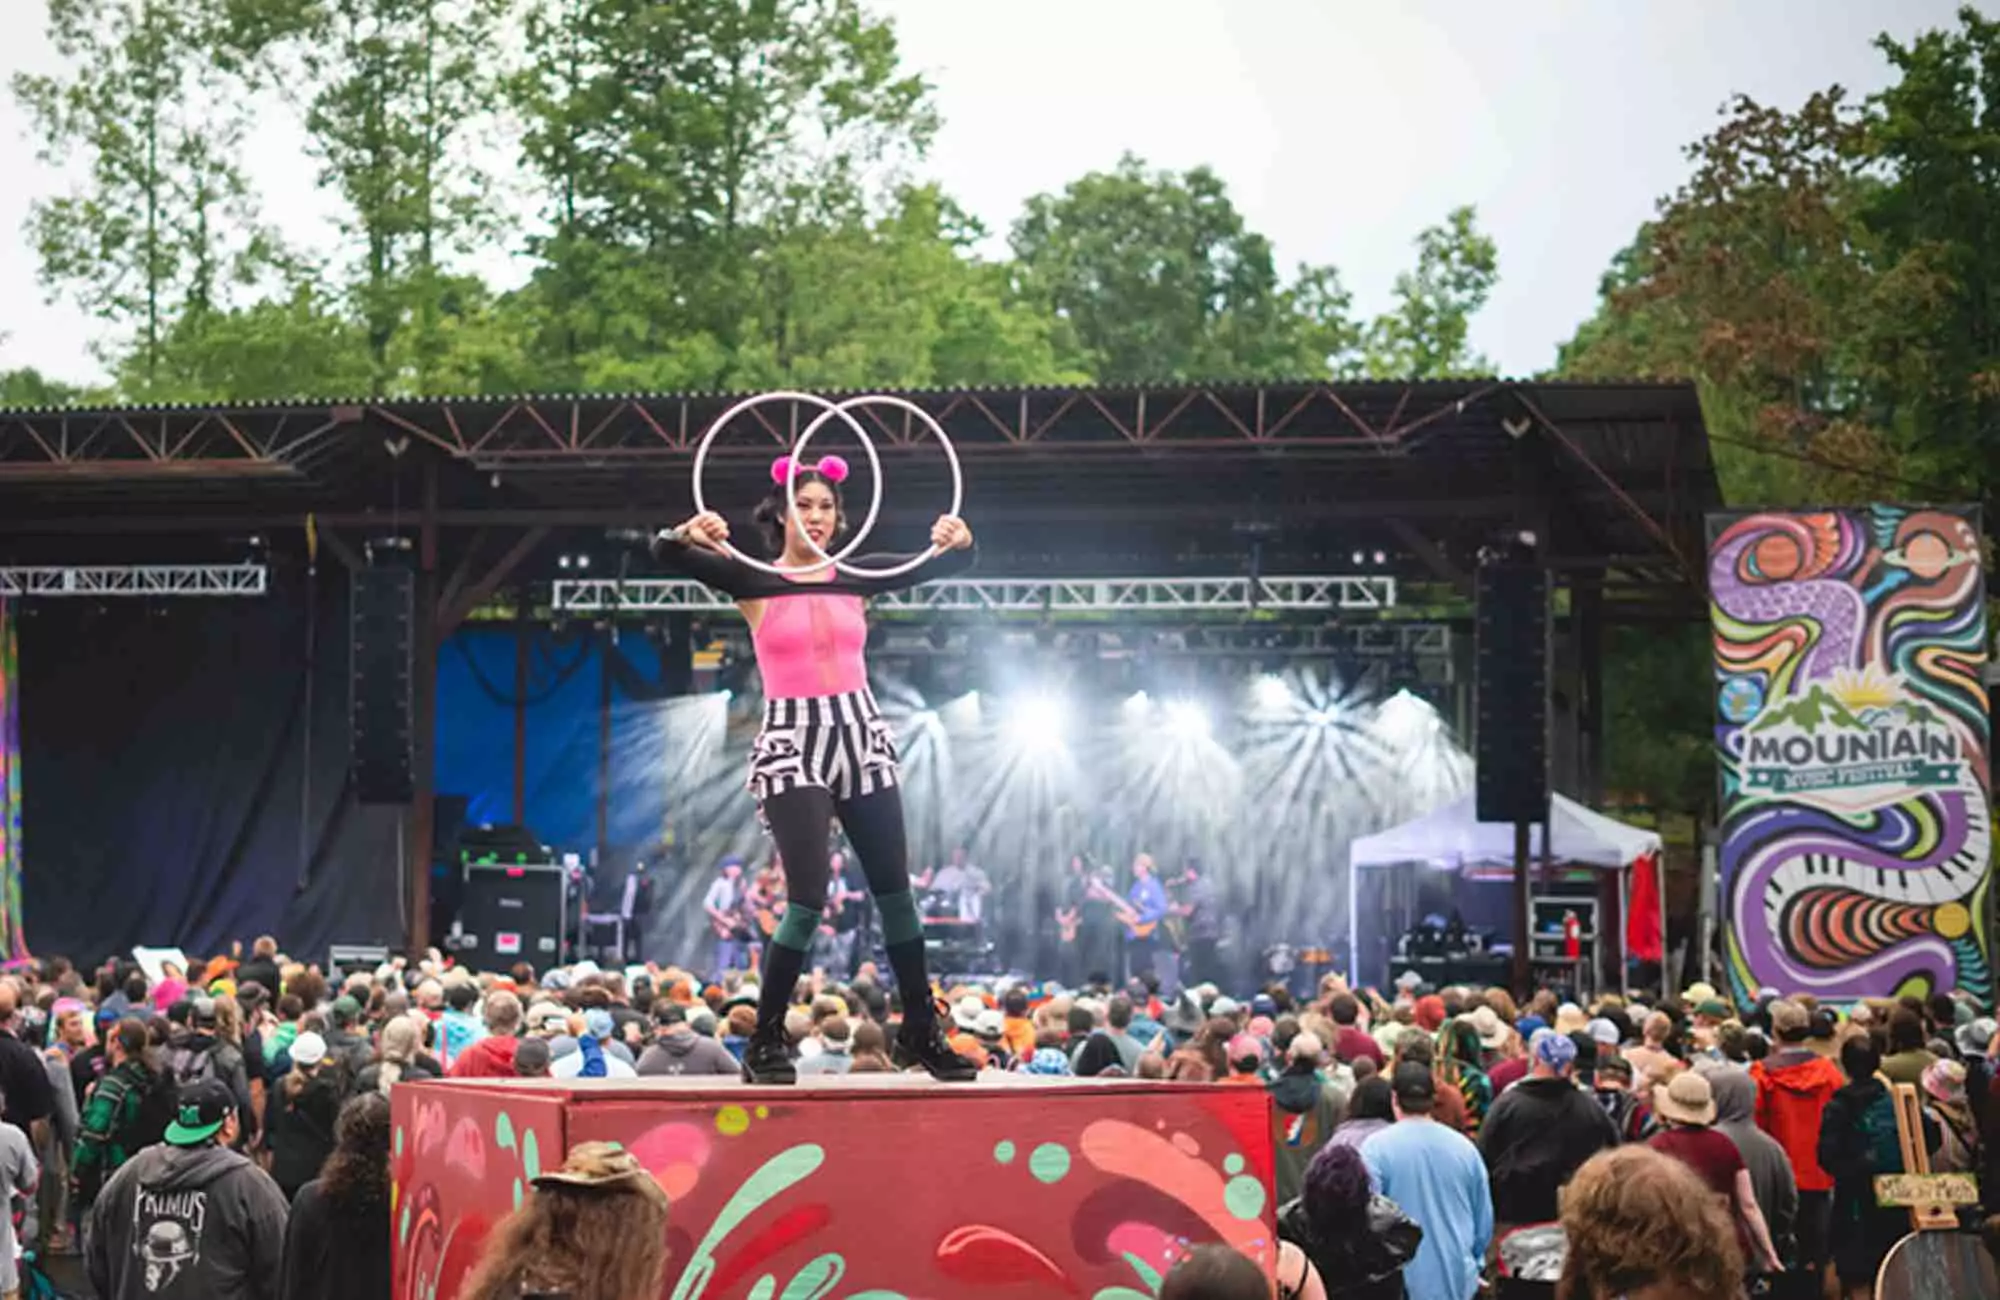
x,y
1809,712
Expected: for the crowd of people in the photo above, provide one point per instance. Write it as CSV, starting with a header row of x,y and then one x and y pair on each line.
x,y
224,1130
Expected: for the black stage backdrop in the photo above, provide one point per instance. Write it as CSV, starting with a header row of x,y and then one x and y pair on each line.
x,y
161,749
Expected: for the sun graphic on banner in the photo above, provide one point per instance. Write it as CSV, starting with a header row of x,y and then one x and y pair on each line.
x,y
1865,689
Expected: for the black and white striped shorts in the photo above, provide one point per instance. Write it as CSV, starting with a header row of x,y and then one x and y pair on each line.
x,y
837,743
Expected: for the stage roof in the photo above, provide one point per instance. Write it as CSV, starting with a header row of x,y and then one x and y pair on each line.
x,y
1173,478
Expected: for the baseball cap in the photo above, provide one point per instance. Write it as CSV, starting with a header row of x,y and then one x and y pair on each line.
x,y
1413,1086
1789,1020
1224,1007
1264,1005
543,1013
597,1021
308,1049
990,1024
1245,1048
1603,1031
203,1108
345,1010
1557,1051
966,1014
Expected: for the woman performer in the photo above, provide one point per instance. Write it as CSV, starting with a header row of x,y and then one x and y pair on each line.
x,y
825,750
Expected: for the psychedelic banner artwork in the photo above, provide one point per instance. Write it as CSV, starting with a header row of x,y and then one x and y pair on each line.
x,y
1852,744
858,1187
13,937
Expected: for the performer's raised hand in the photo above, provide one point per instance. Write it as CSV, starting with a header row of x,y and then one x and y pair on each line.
x,y
707,529
950,533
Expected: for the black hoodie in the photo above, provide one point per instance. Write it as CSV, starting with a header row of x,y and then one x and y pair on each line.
x,y
187,1223
1538,1133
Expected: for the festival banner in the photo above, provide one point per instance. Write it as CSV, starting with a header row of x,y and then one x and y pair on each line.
x,y
1851,751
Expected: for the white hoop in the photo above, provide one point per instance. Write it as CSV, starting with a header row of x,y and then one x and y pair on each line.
x,y
828,411
951,455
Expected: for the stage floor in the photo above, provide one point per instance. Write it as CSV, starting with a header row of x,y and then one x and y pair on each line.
x,y
893,1185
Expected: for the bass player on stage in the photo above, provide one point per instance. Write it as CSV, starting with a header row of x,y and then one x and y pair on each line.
x,y
825,751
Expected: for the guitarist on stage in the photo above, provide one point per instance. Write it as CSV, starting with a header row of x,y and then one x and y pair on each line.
x,y
724,904
1145,906
843,919
1070,905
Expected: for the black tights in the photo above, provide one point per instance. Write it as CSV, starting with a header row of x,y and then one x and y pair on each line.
x,y
801,823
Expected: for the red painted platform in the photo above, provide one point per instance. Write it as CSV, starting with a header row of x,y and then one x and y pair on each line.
x,y
874,1187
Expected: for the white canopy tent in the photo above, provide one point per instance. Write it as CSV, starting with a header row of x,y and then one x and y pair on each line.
x,y
1453,838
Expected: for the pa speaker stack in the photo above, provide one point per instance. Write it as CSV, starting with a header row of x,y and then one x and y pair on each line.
x,y
1511,690
381,610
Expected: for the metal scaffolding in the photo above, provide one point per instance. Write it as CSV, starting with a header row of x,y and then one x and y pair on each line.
x,y
130,580
1021,595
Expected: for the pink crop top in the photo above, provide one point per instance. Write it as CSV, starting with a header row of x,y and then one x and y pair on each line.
x,y
813,643
812,637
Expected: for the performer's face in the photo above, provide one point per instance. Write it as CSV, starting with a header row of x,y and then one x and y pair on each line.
x,y
818,515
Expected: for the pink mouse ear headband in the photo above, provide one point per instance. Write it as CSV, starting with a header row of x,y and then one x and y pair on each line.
x,y
831,468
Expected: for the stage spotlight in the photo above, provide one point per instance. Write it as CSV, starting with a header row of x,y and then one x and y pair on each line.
x,y
1358,558
1381,558
1187,719
1321,717
1035,722
1272,692
563,563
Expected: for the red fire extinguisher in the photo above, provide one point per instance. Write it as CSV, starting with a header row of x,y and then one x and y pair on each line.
x,y
1572,936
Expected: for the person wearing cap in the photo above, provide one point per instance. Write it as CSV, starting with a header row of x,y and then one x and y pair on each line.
x,y
1539,1132
596,1229
1437,1177
346,1038
679,1050
1794,1086
1612,1086
299,1114
834,1037
1687,1107
588,1049
189,1219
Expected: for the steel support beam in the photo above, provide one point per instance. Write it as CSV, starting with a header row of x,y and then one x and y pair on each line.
x,y
145,581
1033,596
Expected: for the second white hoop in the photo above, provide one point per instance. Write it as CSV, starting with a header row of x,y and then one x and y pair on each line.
x,y
936,430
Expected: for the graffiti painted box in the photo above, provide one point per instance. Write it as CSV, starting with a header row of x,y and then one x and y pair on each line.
x,y
890,1186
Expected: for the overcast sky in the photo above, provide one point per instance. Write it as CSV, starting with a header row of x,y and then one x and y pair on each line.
x,y
1342,126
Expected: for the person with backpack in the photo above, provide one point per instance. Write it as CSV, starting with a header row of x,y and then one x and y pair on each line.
x,y
127,1111
1857,1141
302,1112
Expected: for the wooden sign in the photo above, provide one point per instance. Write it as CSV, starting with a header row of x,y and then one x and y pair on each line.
x,y
1911,1190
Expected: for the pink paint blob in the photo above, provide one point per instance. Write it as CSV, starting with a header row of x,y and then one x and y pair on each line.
x,y
672,1144
1184,1141
467,1148
1127,1151
1147,1242
429,1126
979,1254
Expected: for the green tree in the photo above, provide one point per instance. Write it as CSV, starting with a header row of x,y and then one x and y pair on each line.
x,y
1760,280
1426,335
161,223
394,92
1156,276
27,386
303,345
676,143
1936,130
899,302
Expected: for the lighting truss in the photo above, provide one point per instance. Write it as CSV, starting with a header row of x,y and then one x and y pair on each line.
x,y
1023,595
129,580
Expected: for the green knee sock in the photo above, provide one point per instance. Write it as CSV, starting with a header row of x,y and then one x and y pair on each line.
x,y
900,922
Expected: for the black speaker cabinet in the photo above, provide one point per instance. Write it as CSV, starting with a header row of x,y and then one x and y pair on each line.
x,y
381,611
510,913
1511,690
